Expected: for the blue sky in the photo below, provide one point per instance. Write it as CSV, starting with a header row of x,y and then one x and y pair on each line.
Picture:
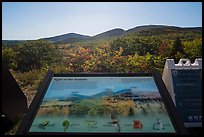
x,y
96,85
34,20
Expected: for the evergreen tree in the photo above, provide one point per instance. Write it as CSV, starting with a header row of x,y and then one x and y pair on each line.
x,y
177,49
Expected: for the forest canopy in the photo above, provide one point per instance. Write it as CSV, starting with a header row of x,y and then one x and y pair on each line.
x,y
130,52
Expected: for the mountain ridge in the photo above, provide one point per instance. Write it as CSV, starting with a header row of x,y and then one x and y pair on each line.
x,y
69,37
113,33
117,32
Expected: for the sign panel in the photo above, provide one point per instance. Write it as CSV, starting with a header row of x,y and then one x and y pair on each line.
x,y
184,84
188,94
102,104
76,104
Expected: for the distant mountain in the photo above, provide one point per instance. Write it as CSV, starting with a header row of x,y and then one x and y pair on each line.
x,y
149,94
109,34
78,96
150,27
126,92
122,91
67,38
110,93
68,97
145,30
100,95
118,32
12,42
161,30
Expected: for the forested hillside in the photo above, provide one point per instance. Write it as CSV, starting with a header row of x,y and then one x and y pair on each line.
x,y
141,49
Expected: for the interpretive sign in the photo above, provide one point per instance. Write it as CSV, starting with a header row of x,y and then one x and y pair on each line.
x,y
103,104
185,86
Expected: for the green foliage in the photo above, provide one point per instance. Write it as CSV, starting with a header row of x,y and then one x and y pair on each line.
x,y
137,63
136,45
139,51
79,109
9,57
142,51
66,124
156,63
29,78
177,50
120,42
165,49
193,48
35,54
97,109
